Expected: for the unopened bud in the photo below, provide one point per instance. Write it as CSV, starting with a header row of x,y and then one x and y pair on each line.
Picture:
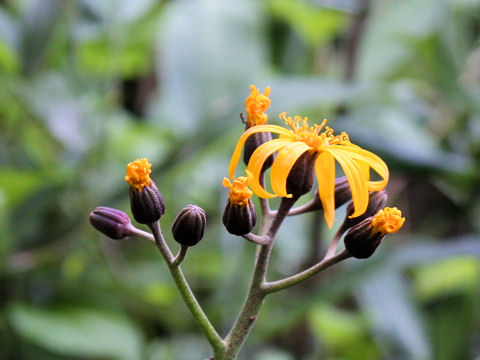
x,y
112,222
146,201
189,225
147,204
301,177
376,201
239,219
360,241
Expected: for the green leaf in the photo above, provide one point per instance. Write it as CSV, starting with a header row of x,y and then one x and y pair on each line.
x,y
447,277
386,300
343,332
392,26
78,331
204,67
315,24
19,184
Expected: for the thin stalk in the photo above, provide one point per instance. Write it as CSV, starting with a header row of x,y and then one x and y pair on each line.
x,y
332,249
201,319
180,256
257,239
271,287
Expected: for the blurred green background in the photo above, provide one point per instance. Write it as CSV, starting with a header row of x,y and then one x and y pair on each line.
x,y
89,85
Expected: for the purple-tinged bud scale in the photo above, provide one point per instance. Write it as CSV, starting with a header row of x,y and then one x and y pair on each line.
x,y
360,241
147,205
111,222
238,219
189,226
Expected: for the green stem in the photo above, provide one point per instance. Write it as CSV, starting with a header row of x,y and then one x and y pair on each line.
x,y
201,319
253,301
271,287
180,256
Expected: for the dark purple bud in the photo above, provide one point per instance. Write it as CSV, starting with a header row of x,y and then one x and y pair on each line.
x,y
359,240
189,225
302,175
147,205
112,222
238,219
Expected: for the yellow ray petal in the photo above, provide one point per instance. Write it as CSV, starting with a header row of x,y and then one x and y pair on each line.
x,y
255,165
255,129
283,165
373,161
357,180
325,171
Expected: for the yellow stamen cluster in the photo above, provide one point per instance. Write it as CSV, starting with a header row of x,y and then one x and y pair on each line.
x,y
255,105
239,191
138,173
387,220
311,135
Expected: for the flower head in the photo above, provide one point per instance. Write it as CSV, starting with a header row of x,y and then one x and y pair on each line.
x,y
239,192
138,173
255,105
327,148
388,220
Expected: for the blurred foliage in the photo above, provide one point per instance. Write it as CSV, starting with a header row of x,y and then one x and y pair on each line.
x,y
87,86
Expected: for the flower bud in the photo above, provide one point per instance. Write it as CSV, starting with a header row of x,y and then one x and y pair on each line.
x,y
112,222
301,177
360,241
255,106
239,219
146,201
147,205
376,201
189,225
239,216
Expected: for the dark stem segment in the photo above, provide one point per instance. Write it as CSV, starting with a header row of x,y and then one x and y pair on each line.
x,y
275,286
257,239
310,206
251,306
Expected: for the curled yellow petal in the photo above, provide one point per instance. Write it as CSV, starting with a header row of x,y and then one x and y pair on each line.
x,y
325,172
283,164
255,129
357,179
373,161
255,165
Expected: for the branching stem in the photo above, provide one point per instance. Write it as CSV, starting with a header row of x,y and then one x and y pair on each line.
x,y
203,323
271,287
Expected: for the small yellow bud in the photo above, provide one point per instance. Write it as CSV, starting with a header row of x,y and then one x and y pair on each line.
x,y
388,220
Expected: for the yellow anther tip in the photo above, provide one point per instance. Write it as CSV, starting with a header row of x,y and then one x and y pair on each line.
x,y
138,173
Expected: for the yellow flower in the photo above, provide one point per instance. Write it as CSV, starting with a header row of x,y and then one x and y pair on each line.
x,y
239,191
255,105
327,147
387,220
138,173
